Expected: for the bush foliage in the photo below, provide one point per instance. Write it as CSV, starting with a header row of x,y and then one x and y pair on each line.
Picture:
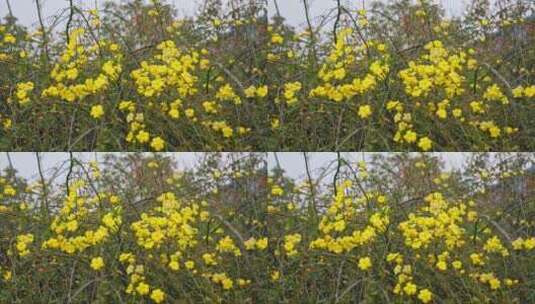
x,y
397,76
396,229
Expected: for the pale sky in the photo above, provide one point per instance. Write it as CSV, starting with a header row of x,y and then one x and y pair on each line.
x,y
26,162
294,164
290,9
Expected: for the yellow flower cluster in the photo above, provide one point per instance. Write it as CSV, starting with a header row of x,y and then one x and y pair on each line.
x,y
342,63
170,223
171,70
221,278
521,244
438,222
23,89
67,225
227,245
440,72
227,93
290,91
520,92
253,243
260,92
195,94
76,57
23,241
340,213
371,233
290,241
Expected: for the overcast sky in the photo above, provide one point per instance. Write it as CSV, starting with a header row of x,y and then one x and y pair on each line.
x,y
26,162
294,164
291,9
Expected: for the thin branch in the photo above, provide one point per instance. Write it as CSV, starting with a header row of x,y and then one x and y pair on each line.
x,y
312,207
10,11
229,74
43,30
277,161
277,10
497,74
69,22
11,167
335,178
69,173
44,207
310,30
348,289
337,21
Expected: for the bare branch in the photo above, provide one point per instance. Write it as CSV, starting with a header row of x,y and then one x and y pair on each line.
x,y
312,208
43,31
45,208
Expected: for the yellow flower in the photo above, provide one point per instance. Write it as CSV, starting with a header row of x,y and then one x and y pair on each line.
x,y
276,190
7,276
157,295
250,92
290,89
365,111
494,283
227,283
410,136
494,131
530,91
97,111
157,143
442,265
190,113
10,39
227,131
410,289
275,123
518,92
250,244
23,89
174,265
262,243
10,191
277,39
441,113
174,113
290,241
529,244
22,244
518,244
209,259
143,136
143,289
425,296
365,263
262,91
189,265
457,113
275,275
97,263
425,143
114,199
476,259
